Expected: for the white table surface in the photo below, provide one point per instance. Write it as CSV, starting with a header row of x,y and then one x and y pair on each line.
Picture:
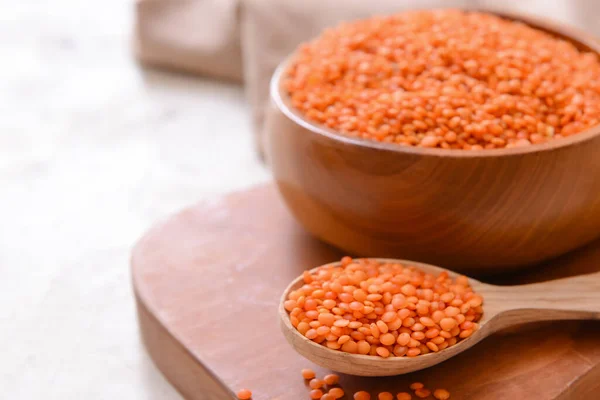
x,y
92,151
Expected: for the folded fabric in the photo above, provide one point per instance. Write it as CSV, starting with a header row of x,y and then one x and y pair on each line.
x,y
195,36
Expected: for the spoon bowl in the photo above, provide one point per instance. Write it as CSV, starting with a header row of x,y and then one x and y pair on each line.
x,y
504,306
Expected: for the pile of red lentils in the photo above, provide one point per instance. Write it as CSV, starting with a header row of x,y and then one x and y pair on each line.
x,y
383,309
327,389
446,79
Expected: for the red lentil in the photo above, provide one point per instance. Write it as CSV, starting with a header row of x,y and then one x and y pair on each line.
x,y
316,383
331,379
336,393
244,394
446,79
362,396
308,373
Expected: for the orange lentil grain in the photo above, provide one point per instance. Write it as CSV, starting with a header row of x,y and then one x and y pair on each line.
x,y
383,352
433,347
444,335
327,396
362,396
331,379
383,327
323,330
316,394
308,373
416,386
441,394
404,396
466,333
394,325
350,347
413,352
422,393
399,351
385,396
341,323
311,334
447,79
437,316
336,393
244,394
403,339
432,333
404,313
333,345
316,383
343,339
388,339
448,324
451,311
363,347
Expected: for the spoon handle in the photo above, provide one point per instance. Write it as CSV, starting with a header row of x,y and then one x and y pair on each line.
x,y
569,298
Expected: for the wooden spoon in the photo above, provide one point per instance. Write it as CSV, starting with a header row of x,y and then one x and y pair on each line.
x,y
504,306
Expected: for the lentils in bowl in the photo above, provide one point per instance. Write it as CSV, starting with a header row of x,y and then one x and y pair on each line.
x,y
446,79
495,207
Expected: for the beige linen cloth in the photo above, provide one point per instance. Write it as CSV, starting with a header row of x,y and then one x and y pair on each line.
x,y
245,40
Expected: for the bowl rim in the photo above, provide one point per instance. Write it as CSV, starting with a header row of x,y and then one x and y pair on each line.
x,y
576,36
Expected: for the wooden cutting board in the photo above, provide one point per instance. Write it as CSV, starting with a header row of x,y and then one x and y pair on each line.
x,y
207,281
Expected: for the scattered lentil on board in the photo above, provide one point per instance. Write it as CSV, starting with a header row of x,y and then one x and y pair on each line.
x,y
331,379
362,396
441,394
308,373
445,79
316,383
422,393
244,394
405,303
336,393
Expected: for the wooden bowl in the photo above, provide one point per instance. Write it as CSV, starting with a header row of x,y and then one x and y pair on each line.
x,y
474,211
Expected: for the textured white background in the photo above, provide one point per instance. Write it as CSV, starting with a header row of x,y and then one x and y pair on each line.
x,y
92,151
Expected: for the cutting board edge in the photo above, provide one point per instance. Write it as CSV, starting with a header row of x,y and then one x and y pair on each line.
x,y
190,376
199,380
